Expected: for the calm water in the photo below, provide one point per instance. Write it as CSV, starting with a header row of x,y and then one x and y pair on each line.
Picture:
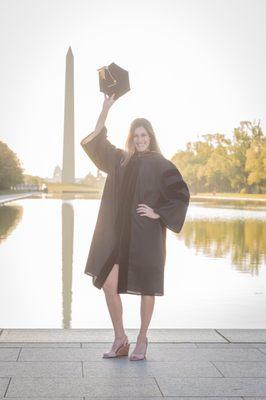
x,y
215,275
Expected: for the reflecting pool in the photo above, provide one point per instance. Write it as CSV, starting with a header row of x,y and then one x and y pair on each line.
x,y
215,275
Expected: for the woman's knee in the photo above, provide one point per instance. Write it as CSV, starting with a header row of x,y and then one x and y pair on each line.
x,y
110,284
109,288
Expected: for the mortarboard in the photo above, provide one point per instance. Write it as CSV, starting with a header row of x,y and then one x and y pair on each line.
x,y
113,79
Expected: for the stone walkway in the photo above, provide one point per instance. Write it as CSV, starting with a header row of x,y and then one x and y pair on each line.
x,y
13,197
184,364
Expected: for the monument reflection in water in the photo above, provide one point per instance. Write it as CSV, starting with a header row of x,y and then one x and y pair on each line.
x,y
67,260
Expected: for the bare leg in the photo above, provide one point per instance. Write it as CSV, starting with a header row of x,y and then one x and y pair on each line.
x,y
147,306
114,304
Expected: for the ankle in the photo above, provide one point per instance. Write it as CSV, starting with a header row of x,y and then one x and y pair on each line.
x,y
120,336
141,337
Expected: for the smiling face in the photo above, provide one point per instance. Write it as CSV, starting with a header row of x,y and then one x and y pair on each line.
x,y
141,139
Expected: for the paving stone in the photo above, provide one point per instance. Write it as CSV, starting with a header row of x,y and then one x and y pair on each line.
x,y
49,398
242,369
229,345
244,335
252,398
175,368
212,386
138,398
153,354
203,398
51,335
62,354
107,345
99,335
125,368
3,386
262,349
176,398
9,354
90,387
40,369
249,354
34,344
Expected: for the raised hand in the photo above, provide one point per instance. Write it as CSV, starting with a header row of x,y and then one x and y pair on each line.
x,y
108,101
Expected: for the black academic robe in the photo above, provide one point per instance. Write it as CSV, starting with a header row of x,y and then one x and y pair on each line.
x,y
158,184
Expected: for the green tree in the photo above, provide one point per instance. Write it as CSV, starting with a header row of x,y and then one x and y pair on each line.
x,y
216,170
216,163
244,136
33,179
11,172
256,164
184,160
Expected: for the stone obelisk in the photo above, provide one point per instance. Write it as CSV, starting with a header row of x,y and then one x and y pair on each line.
x,y
68,170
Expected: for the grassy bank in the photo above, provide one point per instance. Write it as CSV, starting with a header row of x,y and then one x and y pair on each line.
x,y
239,195
72,188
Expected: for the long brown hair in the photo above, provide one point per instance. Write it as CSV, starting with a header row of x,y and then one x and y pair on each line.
x,y
129,144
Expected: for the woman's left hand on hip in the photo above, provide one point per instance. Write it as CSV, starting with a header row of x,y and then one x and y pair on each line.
x,y
144,210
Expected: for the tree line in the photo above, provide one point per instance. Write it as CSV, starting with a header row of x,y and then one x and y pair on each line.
x,y
215,163
11,172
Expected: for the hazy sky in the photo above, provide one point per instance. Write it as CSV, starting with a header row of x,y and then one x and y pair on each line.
x,y
196,67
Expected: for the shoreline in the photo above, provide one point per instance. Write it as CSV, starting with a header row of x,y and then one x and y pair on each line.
x,y
230,198
12,197
6,198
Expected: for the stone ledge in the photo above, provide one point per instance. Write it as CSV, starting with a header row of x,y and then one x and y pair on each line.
x,y
155,335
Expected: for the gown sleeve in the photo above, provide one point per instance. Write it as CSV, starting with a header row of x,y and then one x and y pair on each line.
x,y
102,153
174,198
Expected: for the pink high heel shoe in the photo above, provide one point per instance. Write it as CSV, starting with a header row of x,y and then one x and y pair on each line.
x,y
121,350
139,356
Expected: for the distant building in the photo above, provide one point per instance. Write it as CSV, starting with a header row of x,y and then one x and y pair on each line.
x,y
57,176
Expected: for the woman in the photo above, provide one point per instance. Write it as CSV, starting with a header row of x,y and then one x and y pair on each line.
x,y
144,194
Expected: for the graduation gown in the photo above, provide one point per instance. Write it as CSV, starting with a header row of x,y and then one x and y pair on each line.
x,y
121,235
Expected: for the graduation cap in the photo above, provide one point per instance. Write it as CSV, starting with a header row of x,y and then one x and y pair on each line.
x,y
113,79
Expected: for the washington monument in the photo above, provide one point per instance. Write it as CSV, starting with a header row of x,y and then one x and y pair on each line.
x,y
68,171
